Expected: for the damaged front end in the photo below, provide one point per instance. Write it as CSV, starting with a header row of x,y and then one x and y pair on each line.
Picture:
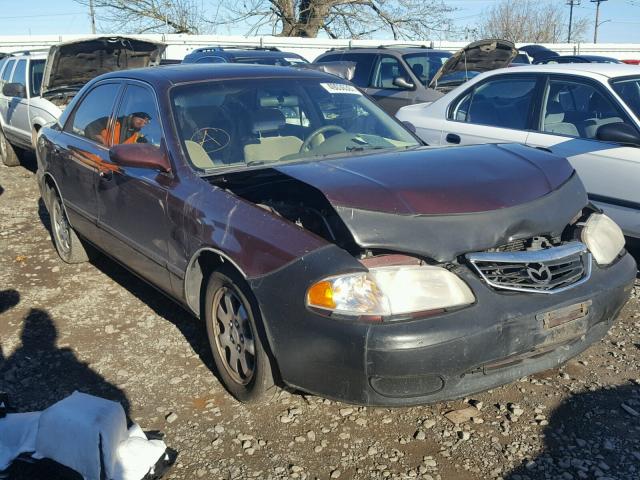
x,y
429,290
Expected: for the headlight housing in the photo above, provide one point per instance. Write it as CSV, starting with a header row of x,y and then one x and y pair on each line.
x,y
388,292
603,237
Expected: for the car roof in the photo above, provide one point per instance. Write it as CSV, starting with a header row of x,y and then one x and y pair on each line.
x,y
239,52
192,72
609,70
39,54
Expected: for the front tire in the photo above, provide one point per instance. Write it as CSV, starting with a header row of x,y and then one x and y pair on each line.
x,y
67,242
7,152
237,339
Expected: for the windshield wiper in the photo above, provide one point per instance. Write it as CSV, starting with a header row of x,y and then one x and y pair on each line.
x,y
362,148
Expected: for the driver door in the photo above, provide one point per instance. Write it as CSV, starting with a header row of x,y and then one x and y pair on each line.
x,y
132,202
390,97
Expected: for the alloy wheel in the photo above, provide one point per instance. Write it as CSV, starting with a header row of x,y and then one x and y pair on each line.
x,y
61,227
234,335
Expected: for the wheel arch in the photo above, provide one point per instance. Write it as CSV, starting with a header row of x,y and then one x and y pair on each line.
x,y
48,182
204,261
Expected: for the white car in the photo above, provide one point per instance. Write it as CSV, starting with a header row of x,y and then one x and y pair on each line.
x,y
35,86
588,113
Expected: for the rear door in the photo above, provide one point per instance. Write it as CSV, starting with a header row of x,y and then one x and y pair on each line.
x,y
571,111
391,97
498,109
132,201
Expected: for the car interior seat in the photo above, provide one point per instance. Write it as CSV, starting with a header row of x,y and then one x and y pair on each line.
x,y
554,121
601,113
386,75
270,145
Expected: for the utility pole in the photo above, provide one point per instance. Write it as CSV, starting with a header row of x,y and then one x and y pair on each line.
x,y
571,4
92,14
597,24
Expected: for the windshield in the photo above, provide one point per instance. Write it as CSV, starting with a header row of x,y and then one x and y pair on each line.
x,y
425,65
239,123
629,91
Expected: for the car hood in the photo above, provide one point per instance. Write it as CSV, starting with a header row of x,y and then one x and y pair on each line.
x,y
442,203
477,57
436,181
72,64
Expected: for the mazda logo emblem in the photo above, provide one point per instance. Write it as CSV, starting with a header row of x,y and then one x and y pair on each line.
x,y
539,273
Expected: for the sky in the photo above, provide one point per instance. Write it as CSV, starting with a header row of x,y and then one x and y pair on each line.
x,y
32,17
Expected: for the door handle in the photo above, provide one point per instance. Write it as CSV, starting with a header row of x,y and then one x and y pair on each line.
x,y
106,174
453,138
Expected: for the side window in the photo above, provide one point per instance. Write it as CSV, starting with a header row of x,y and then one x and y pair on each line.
x,y
364,64
137,120
211,60
20,73
577,109
386,70
91,117
6,73
36,71
329,58
503,102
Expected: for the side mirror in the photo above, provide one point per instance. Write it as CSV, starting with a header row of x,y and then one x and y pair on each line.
x,y
402,83
410,126
14,90
140,155
618,133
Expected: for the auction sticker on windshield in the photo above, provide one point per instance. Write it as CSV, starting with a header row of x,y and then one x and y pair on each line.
x,y
340,88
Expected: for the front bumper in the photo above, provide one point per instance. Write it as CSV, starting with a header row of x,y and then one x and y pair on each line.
x,y
495,341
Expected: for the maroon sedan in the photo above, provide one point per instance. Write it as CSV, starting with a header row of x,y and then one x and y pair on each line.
x,y
323,246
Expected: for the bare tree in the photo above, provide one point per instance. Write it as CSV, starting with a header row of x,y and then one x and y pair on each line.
x,y
403,19
531,21
151,16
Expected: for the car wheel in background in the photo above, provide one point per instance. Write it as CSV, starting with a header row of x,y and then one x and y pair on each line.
x,y
67,242
237,338
7,152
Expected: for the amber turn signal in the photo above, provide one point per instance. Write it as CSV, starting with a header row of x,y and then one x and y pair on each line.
x,y
321,295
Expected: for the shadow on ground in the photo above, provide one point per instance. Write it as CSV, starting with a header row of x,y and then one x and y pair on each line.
x,y
590,435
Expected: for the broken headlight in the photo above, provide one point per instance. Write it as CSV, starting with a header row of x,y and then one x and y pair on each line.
x,y
603,237
389,291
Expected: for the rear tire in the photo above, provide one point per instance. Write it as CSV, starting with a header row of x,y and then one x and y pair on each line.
x,y
7,152
67,242
237,338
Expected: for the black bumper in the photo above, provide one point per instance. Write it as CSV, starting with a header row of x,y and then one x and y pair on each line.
x,y
495,341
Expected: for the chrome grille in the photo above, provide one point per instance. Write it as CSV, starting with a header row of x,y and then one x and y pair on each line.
x,y
549,270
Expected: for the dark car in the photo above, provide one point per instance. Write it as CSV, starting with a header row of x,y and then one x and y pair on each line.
x,y
253,55
578,59
322,245
394,75
397,75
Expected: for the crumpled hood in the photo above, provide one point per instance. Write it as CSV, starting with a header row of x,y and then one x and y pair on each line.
x,y
438,181
477,57
442,203
75,63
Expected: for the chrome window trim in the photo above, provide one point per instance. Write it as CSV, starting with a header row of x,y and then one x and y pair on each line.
x,y
538,256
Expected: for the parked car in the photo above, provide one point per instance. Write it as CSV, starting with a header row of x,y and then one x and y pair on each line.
x,y
529,54
578,59
397,75
252,55
588,113
394,76
321,244
36,85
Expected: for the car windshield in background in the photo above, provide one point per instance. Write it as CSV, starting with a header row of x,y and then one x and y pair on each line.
x,y
246,122
457,77
425,65
629,91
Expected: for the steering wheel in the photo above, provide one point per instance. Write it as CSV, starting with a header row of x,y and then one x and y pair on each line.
x,y
211,139
327,128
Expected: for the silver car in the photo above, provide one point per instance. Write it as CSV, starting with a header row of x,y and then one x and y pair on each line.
x,y
588,113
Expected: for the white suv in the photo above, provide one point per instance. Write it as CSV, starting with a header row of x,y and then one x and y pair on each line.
x,y
36,85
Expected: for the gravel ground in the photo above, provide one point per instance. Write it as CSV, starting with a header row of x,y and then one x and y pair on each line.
x,y
97,328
